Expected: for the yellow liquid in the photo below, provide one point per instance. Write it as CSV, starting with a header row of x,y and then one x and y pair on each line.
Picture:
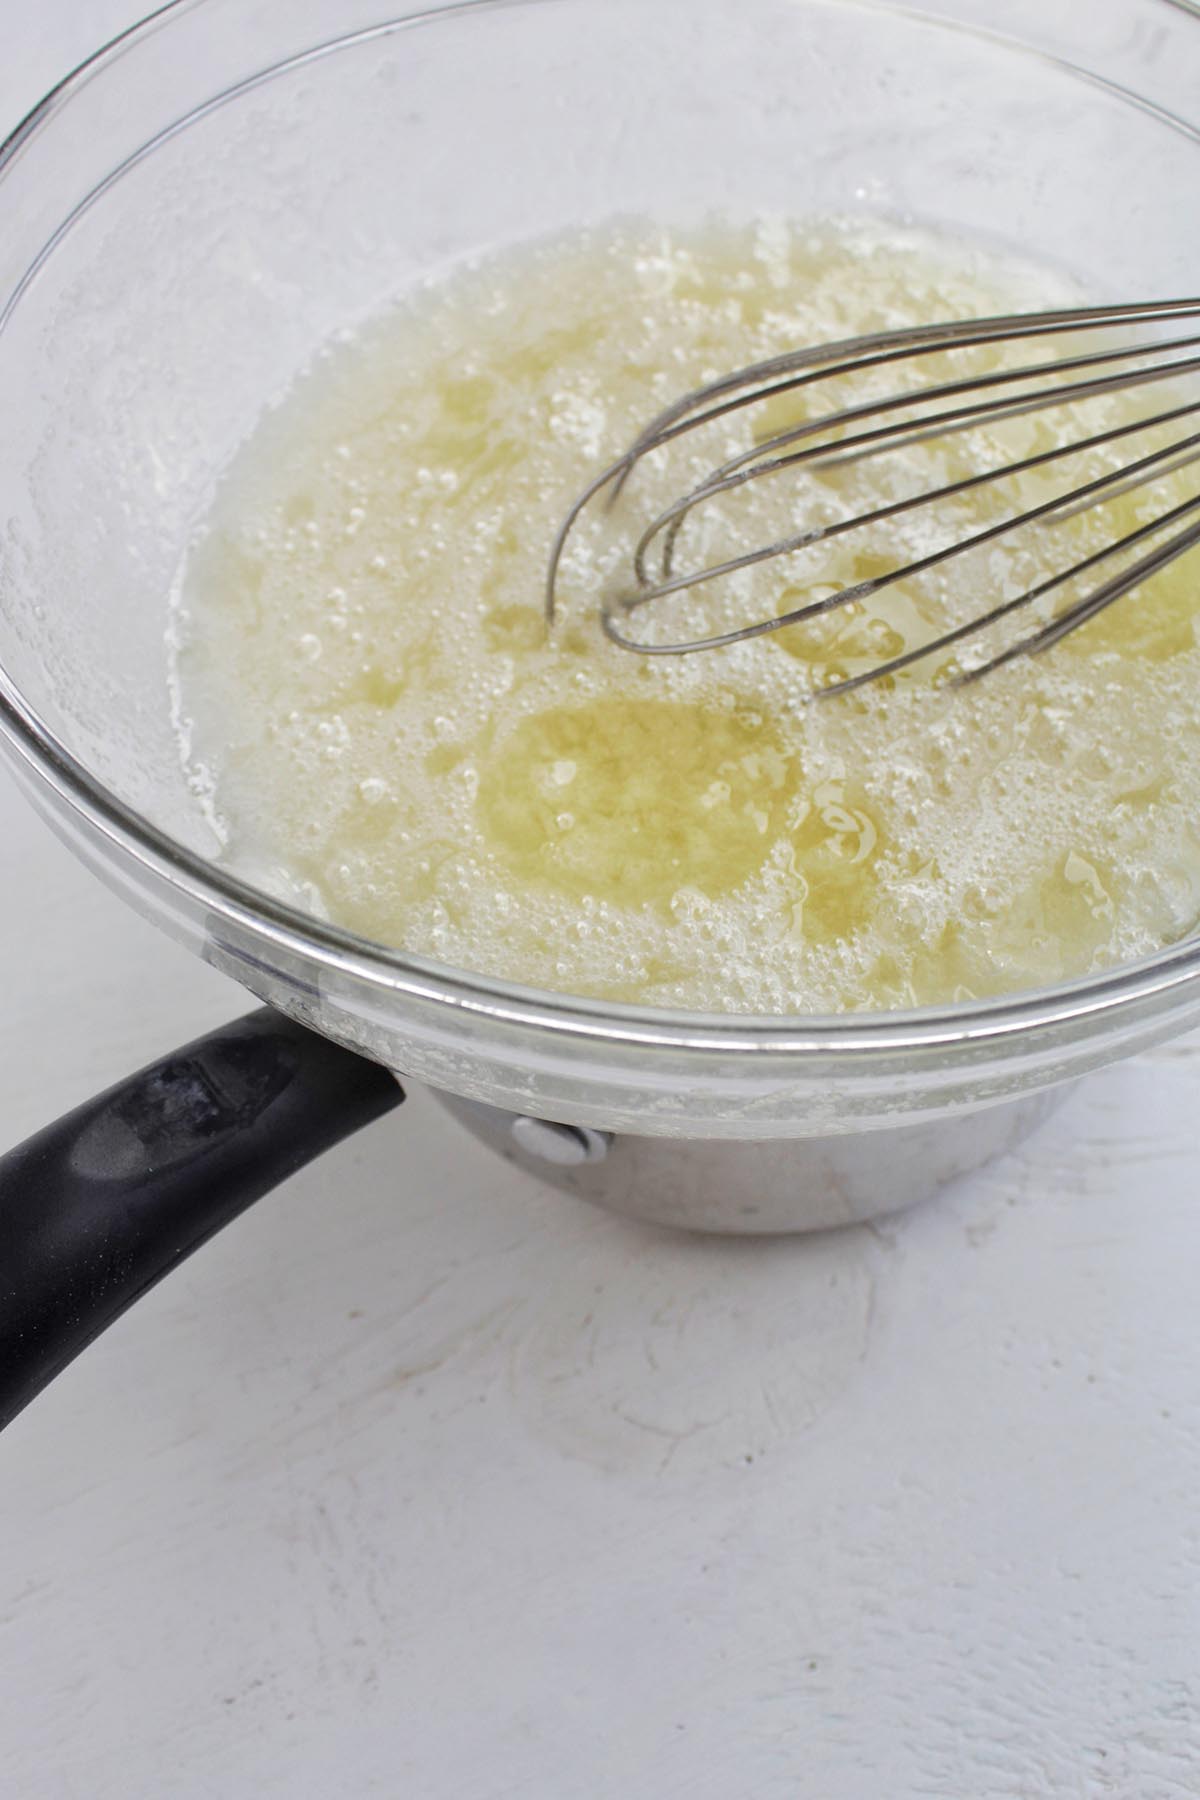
x,y
388,734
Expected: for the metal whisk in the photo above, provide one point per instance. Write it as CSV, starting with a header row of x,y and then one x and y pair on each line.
x,y
916,414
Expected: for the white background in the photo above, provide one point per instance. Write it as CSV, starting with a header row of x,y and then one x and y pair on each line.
x,y
423,1482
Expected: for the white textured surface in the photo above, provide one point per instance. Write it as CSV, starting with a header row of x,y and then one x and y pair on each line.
x,y
421,1481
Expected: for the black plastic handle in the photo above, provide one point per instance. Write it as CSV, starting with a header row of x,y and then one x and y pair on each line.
x,y
102,1204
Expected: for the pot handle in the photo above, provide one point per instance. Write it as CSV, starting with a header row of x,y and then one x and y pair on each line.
x,y
106,1201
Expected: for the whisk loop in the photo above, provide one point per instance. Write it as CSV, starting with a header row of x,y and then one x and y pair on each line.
x,y
876,425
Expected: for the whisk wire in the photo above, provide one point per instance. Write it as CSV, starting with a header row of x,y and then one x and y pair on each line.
x,y
1038,398
833,438
877,441
1086,609
960,633
1087,492
825,362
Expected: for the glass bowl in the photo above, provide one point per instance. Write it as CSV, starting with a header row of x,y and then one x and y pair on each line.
x,y
204,202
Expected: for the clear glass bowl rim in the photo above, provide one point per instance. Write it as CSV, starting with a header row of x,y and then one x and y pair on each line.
x,y
1172,971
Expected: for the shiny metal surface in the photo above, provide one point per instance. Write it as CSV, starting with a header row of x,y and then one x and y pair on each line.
x,y
854,433
772,1185
561,1146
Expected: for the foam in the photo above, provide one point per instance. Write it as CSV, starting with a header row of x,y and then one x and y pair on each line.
x,y
369,698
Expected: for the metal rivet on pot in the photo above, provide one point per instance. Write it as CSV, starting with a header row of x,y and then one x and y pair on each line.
x,y
567,1146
